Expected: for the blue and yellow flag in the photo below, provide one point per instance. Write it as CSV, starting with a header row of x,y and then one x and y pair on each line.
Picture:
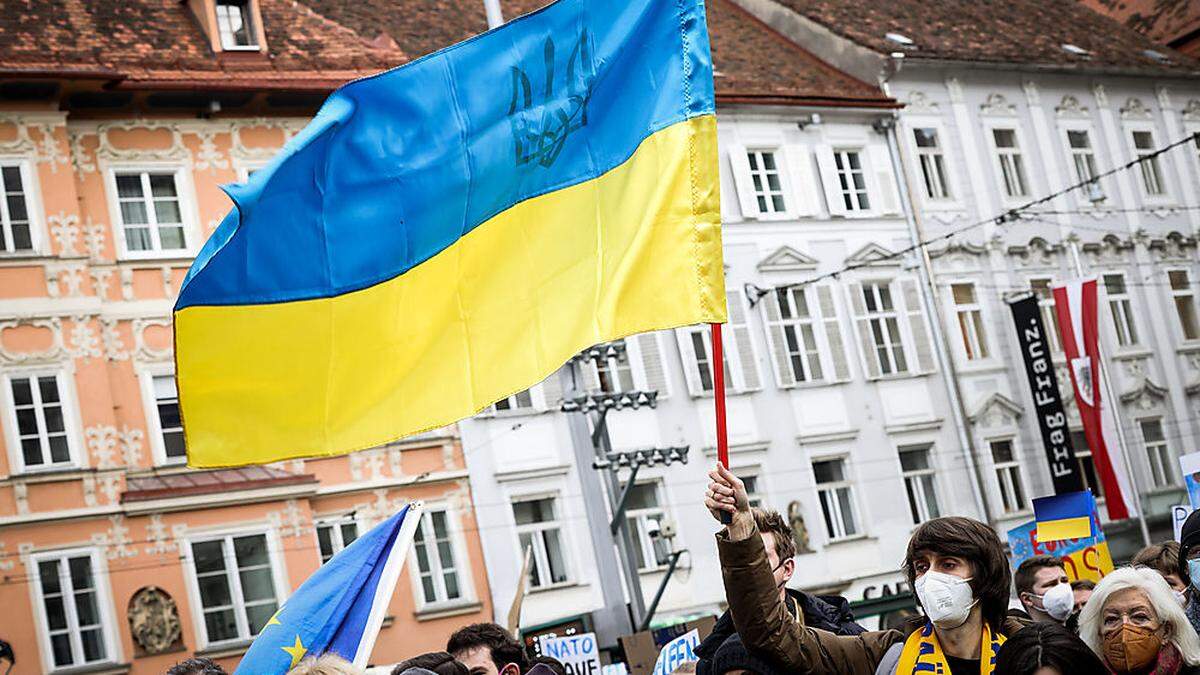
x,y
341,607
1065,516
450,232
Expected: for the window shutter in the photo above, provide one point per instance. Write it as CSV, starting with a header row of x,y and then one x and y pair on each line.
x,y
552,391
776,341
918,327
804,197
691,367
655,377
829,180
833,333
887,200
737,334
862,328
740,165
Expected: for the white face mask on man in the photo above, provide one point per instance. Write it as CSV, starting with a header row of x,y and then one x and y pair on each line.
x,y
946,599
1058,601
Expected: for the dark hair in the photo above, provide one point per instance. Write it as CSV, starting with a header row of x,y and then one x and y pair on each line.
x,y
1085,584
1162,558
503,648
438,662
781,531
196,666
1026,574
976,543
550,662
1047,645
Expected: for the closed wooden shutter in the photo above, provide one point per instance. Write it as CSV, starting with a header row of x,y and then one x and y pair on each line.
x,y
739,163
862,328
737,335
777,341
833,333
918,327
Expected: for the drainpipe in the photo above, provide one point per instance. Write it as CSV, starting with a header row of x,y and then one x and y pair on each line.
x,y
887,126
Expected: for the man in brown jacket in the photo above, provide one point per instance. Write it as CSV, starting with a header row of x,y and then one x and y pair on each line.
x,y
956,565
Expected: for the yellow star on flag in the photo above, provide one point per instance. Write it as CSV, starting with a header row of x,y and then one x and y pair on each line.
x,y
297,651
274,620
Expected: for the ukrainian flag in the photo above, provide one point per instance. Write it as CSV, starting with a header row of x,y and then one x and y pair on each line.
x,y
448,233
1065,516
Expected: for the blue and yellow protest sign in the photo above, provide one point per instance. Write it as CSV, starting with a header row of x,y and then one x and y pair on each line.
x,y
1083,558
1065,516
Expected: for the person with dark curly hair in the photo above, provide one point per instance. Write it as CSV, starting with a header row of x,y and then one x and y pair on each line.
x,y
957,566
488,649
438,663
196,666
1047,649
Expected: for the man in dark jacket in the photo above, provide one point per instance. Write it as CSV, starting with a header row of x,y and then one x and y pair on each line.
x,y
831,613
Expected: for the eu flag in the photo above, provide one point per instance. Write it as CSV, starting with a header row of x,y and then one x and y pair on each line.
x,y
340,608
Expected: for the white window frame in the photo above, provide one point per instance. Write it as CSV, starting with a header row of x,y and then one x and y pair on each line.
x,y
1049,314
641,526
539,556
1128,311
537,403
898,311
613,365
847,483
104,606
767,194
1160,458
1188,293
1010,468
246,167
816,322
252,28
1160,163
186,192
976,330
841,155
158,449
33,205
278,577
748,474
70,409
914,485
336,538
946,143
699,362
462,565
945,184
998,155
1081,195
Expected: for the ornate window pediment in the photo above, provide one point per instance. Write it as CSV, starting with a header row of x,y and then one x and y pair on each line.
x,y
873,254
1071,108
997,411
1134,109
1145,396
787,259
997,105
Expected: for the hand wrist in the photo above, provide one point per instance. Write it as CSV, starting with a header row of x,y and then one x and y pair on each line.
x,y
740,527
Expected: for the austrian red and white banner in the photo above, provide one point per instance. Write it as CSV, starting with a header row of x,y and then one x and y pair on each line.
x,y
1078,320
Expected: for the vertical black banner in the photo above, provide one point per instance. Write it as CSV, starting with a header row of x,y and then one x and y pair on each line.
x,y
1047,404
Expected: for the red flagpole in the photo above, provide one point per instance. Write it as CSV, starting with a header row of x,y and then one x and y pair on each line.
x,y
718,369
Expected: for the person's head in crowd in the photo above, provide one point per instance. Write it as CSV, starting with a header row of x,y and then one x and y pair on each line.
x,y
550,663
488,649
1047,648
961,563
1135,624
1082,589
325,664
732,658
685,668
196,666
438,663
1164,559
1188,566
780,544
1044,589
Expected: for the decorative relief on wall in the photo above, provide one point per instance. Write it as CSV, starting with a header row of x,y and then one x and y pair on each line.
x,y
102,443
1191,112
1037,253
65,230
209,158
997,411
156,534
919,104
1111,250
20,143
1175,247
1134,109
1032,95
176,150
54,352
93,237
1071,108
997,105
131,445
143,350
154,621
115,541
49,150
289,521
84,343
110,486
79,154
1101,95
114,346
1146,396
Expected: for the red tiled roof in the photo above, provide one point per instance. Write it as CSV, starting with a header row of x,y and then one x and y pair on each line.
x,y
1029,32
1167,21
138,489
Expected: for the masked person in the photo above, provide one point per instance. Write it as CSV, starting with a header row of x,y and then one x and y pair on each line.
x,y
1136,626
956,565
1189,565
1164,559
1044,589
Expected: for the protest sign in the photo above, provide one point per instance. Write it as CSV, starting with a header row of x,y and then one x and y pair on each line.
x,y
678,651
1082,558
1189,465
1178,515
579,653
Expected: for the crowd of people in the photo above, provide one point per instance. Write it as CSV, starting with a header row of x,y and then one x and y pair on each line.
x,y
1139,620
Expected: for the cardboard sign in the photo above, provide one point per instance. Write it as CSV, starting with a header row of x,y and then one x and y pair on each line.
x,y
1178,515
579,654
1082,558
678,651
642,648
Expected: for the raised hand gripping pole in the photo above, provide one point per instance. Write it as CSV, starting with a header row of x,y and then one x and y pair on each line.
x,y
718,369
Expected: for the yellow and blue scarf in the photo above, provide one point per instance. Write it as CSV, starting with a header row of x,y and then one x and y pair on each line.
x,y
922,653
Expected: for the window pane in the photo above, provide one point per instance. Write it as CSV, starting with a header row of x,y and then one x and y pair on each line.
x,y
162,185
554,555
1114,284
61,645
643,496
86,610
256,584
257,616
93,644
926,138
31,452
1143,140
221,625
134,213
81,573
251,550
1005,138
828,471
171,237
1179,279
12,178
138,239
27,422
48,572
1152,430
325,542
56,613
16,207
349,533
851,526
129,185
914,459
1078,139
166,211
214,591
59,451
208,556
48,387
1002,451
54,419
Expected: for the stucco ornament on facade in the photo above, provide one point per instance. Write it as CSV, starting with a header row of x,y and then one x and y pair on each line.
x,y
131,446
79,154
1134,109
142,350
114,346
996,105
6,558
1071,108
156,534
1191,112
110,486
84,341
64,228
289,521
176,151
21,143
93,237
1146,396
1037,253
53,353
154,620
49,150
115,541
209,158
240,152
920,104
102,443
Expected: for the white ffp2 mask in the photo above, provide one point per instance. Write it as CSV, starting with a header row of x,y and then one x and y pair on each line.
x,y
1059,601
946,599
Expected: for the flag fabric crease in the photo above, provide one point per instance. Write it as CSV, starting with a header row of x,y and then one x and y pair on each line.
x,y
450,232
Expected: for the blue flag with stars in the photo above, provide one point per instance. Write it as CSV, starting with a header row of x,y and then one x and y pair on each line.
x,y
340,608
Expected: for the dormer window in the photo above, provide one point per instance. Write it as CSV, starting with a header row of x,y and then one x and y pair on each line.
x,y
235,25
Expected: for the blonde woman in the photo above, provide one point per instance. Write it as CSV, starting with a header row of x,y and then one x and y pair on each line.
x,y
1136,626
326,664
